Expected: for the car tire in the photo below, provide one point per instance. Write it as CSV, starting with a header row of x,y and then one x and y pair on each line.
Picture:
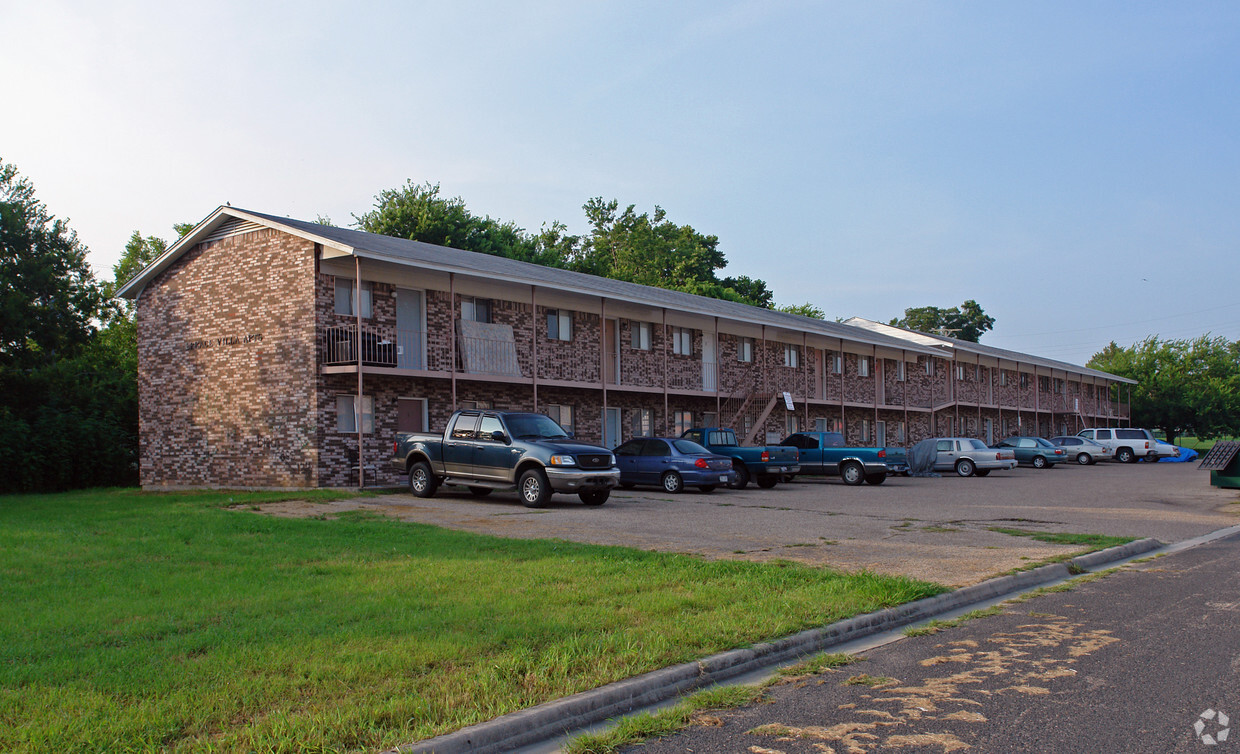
x,y
981,472
852,473
1125,455
594,497
742,476
1084,459
627,485
965,467
480,491
422,481
1039,462
766,481
875,478
672,482
534,489
707,488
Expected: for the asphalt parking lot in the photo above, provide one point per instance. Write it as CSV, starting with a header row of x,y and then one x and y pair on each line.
x,y
937,529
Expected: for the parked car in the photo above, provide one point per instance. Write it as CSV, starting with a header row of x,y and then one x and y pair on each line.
x,y
765,465
490,450
967,456
826,454
1085,451
1125,444
1035,451
672,463
1163,450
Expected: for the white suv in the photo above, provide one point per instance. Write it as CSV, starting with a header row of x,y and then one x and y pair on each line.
x,y
1125,444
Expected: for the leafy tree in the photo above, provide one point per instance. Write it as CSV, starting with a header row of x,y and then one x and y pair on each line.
x,y
805,310
1184,386
964,322
48,298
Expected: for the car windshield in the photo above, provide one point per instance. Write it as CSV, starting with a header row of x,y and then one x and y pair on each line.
x,y
690,448
1042,443
538,426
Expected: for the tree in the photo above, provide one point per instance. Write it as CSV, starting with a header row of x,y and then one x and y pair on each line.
x,y
964,322
1183,386
805,310
48,298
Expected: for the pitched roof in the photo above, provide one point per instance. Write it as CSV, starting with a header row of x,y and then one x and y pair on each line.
x,y
416,253
952,344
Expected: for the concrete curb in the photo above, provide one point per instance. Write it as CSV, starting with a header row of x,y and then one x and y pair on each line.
x,y
553,719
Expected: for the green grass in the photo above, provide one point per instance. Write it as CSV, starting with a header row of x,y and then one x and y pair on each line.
x,y
935,626
1091,541
166,622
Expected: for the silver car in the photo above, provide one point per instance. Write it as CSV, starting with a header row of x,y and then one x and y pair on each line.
x,y
968,456
1084,450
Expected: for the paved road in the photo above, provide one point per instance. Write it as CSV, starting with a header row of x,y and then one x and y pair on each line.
x,y
1126,663
934,529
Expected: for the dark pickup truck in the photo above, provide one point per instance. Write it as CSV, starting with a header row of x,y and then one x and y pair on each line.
x,y
825,454
504,450
765,465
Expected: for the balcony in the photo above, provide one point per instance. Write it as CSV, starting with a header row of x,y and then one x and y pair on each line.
x,y
381,347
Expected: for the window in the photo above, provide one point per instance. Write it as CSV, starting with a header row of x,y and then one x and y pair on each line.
x,y
865,430
791,355
837,363
641,336
863,366
977,372
960,372
791,425
1024,382
559,324
682,341
682,421
489,426
346,414
1044,384
643,422
475,405
900,433
345,290
1002,378
820,425
901,374
1059,387
563,415
744,350
464,426
929,367
475,309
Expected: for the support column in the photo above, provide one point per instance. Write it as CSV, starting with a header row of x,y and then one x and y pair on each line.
x,y
452,330
361,397
534,341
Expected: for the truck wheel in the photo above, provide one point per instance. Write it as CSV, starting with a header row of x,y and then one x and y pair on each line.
x,y
480,491
875,478
852,473
534,489
594,497
672,482
742,476
422,482
1039,462
1084,459
965,467
767,481
1125,455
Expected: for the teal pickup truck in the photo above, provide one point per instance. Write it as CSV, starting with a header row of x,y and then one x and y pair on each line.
x,y
825,454
764,465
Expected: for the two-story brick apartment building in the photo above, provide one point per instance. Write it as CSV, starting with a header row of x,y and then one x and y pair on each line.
x,y
281,353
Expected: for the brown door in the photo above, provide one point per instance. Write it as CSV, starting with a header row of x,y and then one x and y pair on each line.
x,y
409,415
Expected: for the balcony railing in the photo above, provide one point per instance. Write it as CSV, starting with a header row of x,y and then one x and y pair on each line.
x,y
340,347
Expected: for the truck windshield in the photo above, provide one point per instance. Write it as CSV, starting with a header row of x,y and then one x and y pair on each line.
x,y
537,426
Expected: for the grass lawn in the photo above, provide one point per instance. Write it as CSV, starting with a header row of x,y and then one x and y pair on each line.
x,y
148,622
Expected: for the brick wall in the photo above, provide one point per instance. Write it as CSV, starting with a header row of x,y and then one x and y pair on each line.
x,y
226,362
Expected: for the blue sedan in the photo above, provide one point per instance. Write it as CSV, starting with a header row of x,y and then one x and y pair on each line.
x,y
672,463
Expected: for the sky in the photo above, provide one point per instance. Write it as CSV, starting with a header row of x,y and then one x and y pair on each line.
x,y
1072,166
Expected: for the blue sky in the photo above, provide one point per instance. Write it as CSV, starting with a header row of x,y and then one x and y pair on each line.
x,y
1072,166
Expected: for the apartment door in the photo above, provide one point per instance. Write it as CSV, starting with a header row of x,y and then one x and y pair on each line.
x,y
611,427
410,414
708,361
611,352
990,432
880,434
410,329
